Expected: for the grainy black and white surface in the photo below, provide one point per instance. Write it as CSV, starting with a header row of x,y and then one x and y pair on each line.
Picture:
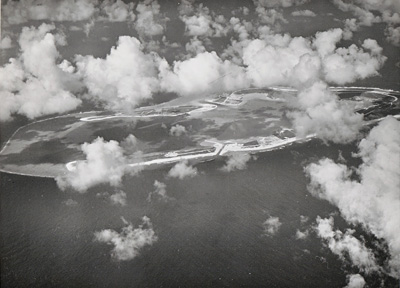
x,y
200,143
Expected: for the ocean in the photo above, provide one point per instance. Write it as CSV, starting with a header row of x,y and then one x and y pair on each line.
x,y
210,232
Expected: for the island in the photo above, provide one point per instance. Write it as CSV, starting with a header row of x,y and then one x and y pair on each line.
x,y
243,121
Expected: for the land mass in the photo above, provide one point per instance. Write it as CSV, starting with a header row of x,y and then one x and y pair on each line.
x,y
244,121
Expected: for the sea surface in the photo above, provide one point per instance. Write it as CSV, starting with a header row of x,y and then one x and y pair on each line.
x,y
210,234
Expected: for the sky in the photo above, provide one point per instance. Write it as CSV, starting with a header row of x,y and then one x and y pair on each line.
x,y
62,56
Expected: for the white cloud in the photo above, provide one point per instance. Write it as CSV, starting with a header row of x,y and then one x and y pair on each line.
x,y
370,12
355,281
349,64
366,17
236,161
66,10
122,80
393,35
271,226
305,233
365,10
105,163
372,200
129,144
186,7
350,26
205,72
160,192
241,27
6,42
304,13
301,234
325,42
279,3
118,198
195,46
282,60
269,16
34,85
198,25
272,64
346,245
177,130
128,243
128,75
182,170
200,22
148,22
17,12
303,219
117,11
321,112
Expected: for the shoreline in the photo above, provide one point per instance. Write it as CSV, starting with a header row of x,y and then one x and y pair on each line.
x,y
264,144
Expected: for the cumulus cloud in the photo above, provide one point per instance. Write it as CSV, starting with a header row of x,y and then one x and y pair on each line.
x,y
206,72
305,233
200,22
17,12
117,11
105,163
321,113
271,226
128,243
393,35
122,80
269,12
186,7
195,46
374,11
370,12
303,219
34,85
236,161
177,130
373,200
349,64
128,75
355,281
281,57
182,170
197,25
318,110
346,245
326,41
6,42
304,13
241,28
346,64
118,198
366,17
278,3
148,22
301,234
269,16
160,192
350,26
129,144
282,60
